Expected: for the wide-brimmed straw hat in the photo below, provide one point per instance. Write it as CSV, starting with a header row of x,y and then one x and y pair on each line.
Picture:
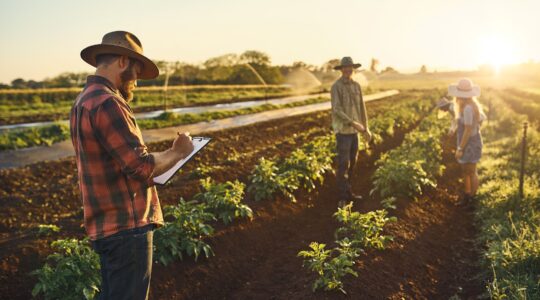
x,y
347,62
464,89
121,43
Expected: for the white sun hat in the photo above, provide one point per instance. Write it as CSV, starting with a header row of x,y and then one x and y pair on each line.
x,y
464,89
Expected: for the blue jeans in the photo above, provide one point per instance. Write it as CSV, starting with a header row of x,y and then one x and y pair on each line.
x,y
347,150
126,263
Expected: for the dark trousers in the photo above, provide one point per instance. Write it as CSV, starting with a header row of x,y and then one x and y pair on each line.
x,y
347,150
126,263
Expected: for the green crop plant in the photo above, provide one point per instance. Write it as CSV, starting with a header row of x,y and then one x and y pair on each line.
x,y
364,230
359,232
224,200
184,233
41,136
304,168
265,180
330,265
47,229
405,171
400,178
72,272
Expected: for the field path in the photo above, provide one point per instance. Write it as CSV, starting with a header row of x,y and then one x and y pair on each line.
x,y
23,157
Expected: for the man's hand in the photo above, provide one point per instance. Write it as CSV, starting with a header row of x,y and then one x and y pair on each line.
x,y
181,148
359,127
183,145
368,136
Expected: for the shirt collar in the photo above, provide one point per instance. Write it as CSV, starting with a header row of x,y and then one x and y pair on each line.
x,y
346,81
96,79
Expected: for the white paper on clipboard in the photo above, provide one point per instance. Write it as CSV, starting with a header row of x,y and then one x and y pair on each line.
x,y
198,144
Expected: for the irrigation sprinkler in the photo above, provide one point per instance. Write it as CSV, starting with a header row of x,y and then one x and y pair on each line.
x,y
260,79
165,86
168,67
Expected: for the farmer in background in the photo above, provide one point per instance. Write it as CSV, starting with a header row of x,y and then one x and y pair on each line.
x,y
469,117
115,170
349,118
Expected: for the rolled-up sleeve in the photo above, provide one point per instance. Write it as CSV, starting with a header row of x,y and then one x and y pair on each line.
x,y
117,132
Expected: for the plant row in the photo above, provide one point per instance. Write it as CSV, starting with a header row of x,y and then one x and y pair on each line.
x,y
359,232
73,271
509,224
306,166
30,137
189,222
408,169
49,105
47,135
524,103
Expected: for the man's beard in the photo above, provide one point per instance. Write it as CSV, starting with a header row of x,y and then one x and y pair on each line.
x,y
127,79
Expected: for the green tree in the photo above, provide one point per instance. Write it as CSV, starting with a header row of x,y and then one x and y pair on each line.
x,y
222,60
18,83
254,57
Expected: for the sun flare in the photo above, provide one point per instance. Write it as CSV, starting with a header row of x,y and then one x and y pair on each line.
x,y
497,52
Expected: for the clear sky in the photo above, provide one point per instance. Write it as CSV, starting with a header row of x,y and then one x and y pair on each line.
x,y
43,38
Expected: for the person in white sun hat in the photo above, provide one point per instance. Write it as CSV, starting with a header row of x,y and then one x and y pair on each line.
x,y
469,117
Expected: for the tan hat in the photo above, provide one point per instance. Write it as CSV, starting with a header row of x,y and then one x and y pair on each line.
x,y
347,62
121,43
464,89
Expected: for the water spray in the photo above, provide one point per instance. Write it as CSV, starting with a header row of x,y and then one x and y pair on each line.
x,y
260,79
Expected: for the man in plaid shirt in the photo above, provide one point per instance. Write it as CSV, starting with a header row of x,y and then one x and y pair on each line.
x,y
121,205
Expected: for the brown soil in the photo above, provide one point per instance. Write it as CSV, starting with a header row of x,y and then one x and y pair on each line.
x,y
432,257
47,193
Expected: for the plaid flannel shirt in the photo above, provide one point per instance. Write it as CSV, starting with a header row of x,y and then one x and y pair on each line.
x,y
114,167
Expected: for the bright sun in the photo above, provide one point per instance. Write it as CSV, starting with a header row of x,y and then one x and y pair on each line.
x,y
497,52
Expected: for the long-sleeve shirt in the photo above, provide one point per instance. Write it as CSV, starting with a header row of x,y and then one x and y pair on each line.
x,y
347,106
115,169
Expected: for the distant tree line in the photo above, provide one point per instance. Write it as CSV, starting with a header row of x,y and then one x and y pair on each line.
x,y
250,67
63,80
224,69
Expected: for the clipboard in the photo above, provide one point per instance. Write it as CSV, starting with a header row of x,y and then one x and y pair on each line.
x,y
198,144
